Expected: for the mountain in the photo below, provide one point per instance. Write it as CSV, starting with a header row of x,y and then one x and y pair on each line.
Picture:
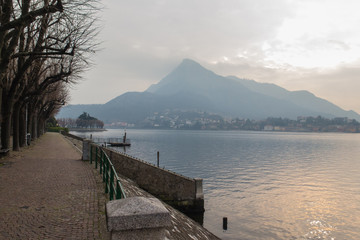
x,y
304,99
191,87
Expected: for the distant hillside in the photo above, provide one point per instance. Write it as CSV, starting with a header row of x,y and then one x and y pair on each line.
x,y
74,111
192,87
303,99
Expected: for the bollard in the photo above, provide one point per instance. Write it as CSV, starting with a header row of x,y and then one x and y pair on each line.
x,y
86,150
225,222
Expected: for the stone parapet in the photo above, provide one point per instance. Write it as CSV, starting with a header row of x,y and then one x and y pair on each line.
x,y
137,218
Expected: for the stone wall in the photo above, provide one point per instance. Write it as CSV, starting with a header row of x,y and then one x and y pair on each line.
x,y
75,140
179,191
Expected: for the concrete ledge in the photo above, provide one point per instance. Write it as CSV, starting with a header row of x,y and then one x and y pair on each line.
x,y
136,218
199,194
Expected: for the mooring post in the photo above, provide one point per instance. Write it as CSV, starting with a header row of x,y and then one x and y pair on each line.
x,y
158,158
225,222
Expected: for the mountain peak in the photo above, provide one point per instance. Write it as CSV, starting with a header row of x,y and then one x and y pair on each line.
x,y
184,76
190,66
189,62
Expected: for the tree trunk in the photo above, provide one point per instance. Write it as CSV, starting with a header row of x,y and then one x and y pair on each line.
x,y
6,122
29,122
40,127
34,127
16,132
1,90
22,127
6,132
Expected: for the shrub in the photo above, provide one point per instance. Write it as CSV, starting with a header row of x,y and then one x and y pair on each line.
x,y
57,129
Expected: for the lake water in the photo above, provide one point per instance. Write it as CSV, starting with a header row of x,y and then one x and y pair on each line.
x,y
269,185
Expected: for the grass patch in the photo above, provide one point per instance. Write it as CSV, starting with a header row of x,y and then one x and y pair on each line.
x,y
57,129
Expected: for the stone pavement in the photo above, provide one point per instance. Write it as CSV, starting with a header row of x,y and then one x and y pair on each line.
x,y
47,192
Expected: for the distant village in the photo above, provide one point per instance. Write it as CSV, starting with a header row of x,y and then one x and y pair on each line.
x,y
197,120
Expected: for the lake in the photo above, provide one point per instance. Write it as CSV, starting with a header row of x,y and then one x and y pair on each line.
x,y
269,185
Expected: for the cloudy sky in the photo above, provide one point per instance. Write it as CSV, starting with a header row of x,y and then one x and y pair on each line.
x,y
309,45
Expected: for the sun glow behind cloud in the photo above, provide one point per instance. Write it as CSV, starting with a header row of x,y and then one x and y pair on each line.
x,y
320,35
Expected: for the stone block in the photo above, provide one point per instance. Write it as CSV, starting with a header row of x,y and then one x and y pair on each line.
x,y
199,194
86,150
137,218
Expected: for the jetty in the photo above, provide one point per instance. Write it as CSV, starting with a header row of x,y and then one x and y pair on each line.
x,y
114,142
49,191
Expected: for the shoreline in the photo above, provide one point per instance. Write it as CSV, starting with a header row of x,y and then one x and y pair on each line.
x,y
87,129
245,130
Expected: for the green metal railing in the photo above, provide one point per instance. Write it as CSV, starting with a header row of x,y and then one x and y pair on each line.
x,y
109,175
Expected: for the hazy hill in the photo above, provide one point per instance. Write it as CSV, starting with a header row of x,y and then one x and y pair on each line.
x,y
304,99
192,87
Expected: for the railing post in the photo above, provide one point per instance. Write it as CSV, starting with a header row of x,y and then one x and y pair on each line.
x,y
118,190
111,184
91,154
101,161
96,157
107,176
104,167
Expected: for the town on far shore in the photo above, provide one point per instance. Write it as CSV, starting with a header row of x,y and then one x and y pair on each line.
x,y
198,120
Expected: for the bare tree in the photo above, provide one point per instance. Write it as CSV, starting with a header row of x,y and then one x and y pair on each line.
x,y
52,50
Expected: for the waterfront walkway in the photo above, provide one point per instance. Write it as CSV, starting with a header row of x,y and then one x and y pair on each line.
x,y
47,192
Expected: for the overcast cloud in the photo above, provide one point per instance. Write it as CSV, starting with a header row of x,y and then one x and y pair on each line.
x,y
309,45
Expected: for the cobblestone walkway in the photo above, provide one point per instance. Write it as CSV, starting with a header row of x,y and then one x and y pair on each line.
x,y
47,192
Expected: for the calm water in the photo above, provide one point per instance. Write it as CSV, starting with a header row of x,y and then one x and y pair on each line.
x,y
269,185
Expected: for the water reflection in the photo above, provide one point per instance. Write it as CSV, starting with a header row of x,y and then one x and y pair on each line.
x,y
269,185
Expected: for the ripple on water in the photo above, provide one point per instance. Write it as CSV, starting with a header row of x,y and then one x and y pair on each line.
x,y
319,229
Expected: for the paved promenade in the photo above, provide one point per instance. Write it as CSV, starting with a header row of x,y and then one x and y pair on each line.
x,y
47,192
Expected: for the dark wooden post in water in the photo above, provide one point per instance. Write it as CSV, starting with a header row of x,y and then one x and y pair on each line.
x,y
124,138
158,158
225,222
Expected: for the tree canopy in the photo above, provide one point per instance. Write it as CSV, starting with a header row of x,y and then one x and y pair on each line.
x,y
44,47
87,121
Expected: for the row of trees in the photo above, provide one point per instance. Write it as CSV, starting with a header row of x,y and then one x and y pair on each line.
x,y
44,46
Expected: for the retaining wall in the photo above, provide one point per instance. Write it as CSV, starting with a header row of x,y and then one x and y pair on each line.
x,y
72,136
181,192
